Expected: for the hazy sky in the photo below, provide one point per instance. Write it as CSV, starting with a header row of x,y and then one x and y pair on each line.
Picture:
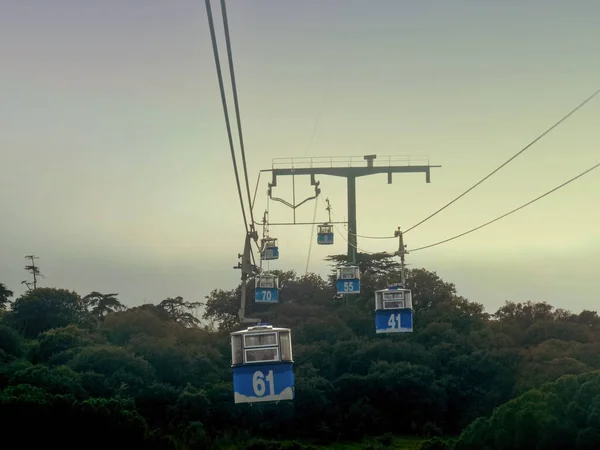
x,y
116,169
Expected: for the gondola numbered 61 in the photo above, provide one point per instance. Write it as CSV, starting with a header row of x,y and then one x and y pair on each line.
x,y
263,369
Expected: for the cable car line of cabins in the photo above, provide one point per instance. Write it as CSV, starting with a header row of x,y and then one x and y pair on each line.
x,y
262,363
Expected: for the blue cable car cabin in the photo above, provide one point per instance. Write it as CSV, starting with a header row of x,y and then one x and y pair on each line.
x,y
325,234
270,250
263,369
393,310
266,289
348,280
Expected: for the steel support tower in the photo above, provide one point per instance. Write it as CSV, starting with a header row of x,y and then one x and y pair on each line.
x,y
350,168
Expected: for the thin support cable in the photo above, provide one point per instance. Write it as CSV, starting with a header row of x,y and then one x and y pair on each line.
x,y
354,246
508,213
509,160
344,237
213,37
372,237
255,191
312,236
236,104
360,235
318,119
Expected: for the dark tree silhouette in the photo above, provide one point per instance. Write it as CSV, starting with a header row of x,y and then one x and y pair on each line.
x,y
150,377
5,296
34,271
102,304
178,310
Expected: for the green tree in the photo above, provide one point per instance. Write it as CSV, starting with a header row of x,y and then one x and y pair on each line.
x,y
60,344
127,373
180,311
123,326
44,308
563,414
34,271
308,290
222,306
154,374
102,304
10,342
381,263
5,296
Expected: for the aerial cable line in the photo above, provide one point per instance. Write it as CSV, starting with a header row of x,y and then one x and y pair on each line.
x,y
319,114
373,237
236,104
344,237
497,218
508,213
508,161
308,147
354,246
225,110
256,190
360,235
312,235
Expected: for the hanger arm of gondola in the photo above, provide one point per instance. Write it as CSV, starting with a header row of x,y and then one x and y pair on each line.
x,y
291,205
285,202
288,204
248,270
304,201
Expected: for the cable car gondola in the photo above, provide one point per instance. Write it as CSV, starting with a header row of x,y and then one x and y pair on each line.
x,y
348,280
266,288
393,310
325,234
270,250
263,369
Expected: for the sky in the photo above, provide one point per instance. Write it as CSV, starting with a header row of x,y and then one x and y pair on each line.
x,y
115,162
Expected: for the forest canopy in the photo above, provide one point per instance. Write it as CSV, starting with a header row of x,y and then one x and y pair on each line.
x,y
157,376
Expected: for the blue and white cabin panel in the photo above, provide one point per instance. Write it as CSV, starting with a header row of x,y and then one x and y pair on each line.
x,y
270,253
266,289
266,295
394,321
348,280
270,249
263,383
393,311
263,369
325,234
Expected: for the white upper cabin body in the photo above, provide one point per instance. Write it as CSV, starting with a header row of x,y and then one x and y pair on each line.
x,y
261,344
267,281
393,298
348,273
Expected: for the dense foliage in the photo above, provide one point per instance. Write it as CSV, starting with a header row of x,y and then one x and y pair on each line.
x,y
154,377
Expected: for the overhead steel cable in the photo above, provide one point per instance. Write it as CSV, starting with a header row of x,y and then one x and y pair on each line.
x,y
355,246
312,236
508,161
342,234
213,37
497,218
308,147
508,213
255,191
236,105
372,237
